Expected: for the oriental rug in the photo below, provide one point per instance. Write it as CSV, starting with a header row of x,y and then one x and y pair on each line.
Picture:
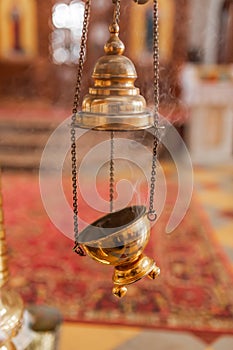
x,y
194,292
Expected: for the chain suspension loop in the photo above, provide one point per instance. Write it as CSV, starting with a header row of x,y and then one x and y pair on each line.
x,y
111,179
78,249
116,14
151,213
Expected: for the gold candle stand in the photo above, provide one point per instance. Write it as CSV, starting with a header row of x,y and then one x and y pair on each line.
x,y
11,305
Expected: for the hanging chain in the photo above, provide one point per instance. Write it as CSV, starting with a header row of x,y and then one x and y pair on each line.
x,y
111,179
116,20
151,213
116,14
77,248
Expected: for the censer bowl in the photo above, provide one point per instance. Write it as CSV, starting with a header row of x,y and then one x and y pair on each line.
x,y
119,239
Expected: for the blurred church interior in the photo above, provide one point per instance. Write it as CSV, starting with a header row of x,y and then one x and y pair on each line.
x,y
39,49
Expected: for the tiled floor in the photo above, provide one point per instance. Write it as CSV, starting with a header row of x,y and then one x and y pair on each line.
x,y
214,187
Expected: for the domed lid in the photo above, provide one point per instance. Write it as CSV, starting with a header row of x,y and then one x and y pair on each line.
x,y
113,64
114,103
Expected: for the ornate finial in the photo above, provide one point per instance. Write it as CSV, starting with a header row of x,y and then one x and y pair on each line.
x,y
114,46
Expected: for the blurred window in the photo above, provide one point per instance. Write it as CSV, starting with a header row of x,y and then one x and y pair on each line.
x,y
149,30
67,20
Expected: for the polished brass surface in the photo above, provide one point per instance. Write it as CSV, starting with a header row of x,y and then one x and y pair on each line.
x,y
114,103
4,272
119,239
11,305
133,271
8,346
141,2
119,291
155,272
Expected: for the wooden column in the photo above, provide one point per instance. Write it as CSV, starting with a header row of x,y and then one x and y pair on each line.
x,y
180,45
225,42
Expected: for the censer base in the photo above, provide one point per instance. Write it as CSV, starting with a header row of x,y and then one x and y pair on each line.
x,y
119,239
132,272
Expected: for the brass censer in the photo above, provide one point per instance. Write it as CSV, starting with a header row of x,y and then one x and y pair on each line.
x,y
115,104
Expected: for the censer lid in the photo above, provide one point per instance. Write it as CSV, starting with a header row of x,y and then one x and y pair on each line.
x,y
114,103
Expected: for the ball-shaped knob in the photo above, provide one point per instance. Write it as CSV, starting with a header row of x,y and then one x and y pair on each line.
x,y
119,291
154,273
114,46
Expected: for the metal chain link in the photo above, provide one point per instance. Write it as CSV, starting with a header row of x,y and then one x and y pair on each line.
x,y
116,14
151,213
111,180
77,248
116,20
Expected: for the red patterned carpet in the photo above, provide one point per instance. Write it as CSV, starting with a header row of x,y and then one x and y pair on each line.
x,y
194,291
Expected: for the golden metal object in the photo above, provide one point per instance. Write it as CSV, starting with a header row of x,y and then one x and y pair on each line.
x,y
11,305
4,273
119,239
114,103
141,2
